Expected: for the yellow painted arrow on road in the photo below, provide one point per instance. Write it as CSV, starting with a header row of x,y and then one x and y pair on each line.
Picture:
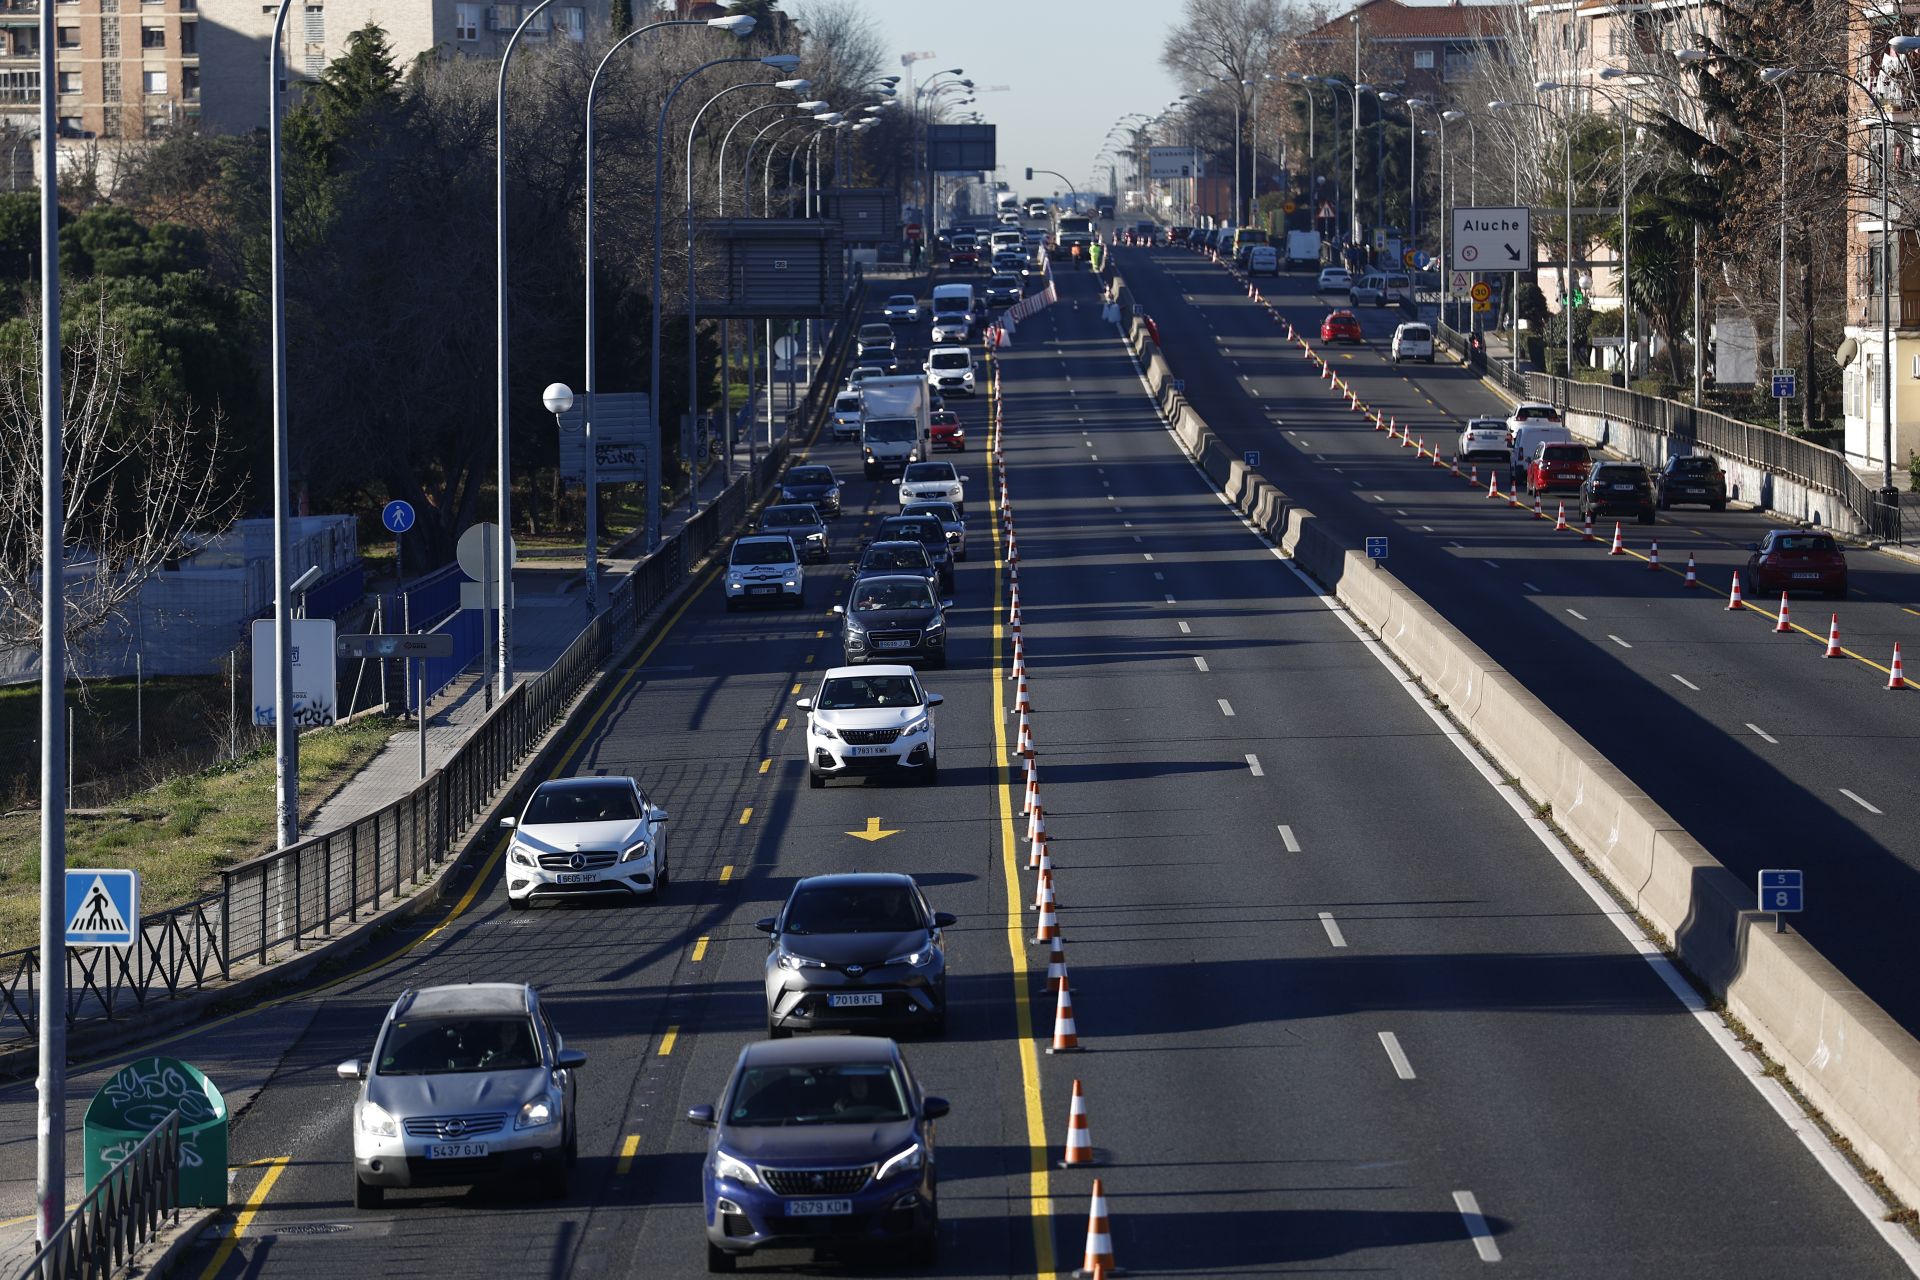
x,y
873,831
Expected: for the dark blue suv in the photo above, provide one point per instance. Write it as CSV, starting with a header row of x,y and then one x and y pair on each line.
x,y
821,1144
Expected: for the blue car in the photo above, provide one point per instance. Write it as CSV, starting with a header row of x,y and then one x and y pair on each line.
x,y
821,1144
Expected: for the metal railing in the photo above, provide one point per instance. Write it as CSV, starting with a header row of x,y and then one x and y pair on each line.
x,y
287,900
1501,371
129,1207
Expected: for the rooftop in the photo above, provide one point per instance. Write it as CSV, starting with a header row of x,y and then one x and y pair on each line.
x,y
1391,20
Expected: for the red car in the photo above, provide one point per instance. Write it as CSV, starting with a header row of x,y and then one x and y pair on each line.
x,y
1796,560
1559,466
965,254
1341,326
946,430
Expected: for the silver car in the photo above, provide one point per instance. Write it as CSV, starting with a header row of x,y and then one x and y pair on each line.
x,y
467,1083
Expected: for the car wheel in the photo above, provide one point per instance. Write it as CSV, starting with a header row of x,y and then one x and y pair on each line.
x,y
925,1249
777,1032
517,904
366,1195
814,780
720,1262
555,1182
930,774
661,875
1718,506
1646,517
573,1148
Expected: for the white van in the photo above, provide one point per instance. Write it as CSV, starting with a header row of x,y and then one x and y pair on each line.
x,y
955,307
1382,288
1263,260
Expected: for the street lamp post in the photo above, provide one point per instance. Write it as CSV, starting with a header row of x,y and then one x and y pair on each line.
x,y
1625,104
286,734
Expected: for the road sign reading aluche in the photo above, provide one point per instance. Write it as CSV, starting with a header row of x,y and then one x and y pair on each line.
x,y
1782,890
1491,239
103,907
1376,548
1251,457
397,516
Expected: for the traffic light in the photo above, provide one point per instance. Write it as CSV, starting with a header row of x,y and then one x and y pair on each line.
x,y
1029,175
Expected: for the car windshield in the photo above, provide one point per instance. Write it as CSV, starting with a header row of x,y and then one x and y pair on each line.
x,y
874,596
768,552
1005,282
945,418
919,530
902,555
875,331
458,1045
1564,453
900,300
850,906
613,802
788,517
853,693
1416,333
864,1093
847,404
810,475
1803,542
891,430
927,472
951,360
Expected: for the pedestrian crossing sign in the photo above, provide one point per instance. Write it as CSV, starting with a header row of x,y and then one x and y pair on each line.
x,y
103,907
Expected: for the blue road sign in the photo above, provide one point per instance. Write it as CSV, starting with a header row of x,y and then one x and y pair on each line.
x,y
1179,384
1251,457
397,516
1376,548
1786,384
1782,890
103,907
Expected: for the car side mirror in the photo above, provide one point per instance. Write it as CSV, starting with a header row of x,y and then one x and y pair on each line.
x,y
765,923
934,1108
659,815
509,823
702,1116
806,703
839,610
965,479
944,919
570,1059
934,699
946,604
352,1070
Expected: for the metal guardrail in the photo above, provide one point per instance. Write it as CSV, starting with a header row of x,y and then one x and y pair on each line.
x,y
1501,371
296,897
128,1208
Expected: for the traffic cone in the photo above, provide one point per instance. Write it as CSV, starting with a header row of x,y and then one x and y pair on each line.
x,y
1539,513
1043,884
1619,548
1493,490
1455,468
1066,1037
1049,922
1056,964
1037,838
1560,519
1896,677
1037,819
1653,556
1473,474
1784,621
1024,747
1587,531
1733,600
1022,699
1080,1150
1693,579
1833,639
1098,1259
1031,796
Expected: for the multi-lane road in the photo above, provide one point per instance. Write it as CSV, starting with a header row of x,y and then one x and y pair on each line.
x,y
1343,1005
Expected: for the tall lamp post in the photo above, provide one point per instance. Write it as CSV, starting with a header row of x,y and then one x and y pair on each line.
x,y
1567,308
1625,106
286,734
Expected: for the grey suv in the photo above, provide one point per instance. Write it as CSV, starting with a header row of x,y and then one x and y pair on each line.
x,y
856,951
893,618
467,1083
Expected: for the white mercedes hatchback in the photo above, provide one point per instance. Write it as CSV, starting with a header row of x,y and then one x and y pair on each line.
x,y
595,836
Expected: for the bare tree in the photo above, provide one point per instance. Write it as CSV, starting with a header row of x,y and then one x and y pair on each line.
x,y
134,497
842,48
1224,44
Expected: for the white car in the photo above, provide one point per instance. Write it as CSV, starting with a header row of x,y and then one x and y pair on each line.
x,y
1483,439
949,370
765,569
1334,280
872,719
933,482
598,835
952,326
1532,413
1413,341
901,308
849,413
861,373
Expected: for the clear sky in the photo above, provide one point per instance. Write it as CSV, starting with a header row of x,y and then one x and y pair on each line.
x,y
1071,67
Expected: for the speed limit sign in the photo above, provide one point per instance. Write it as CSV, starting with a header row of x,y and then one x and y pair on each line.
x,y
1481,291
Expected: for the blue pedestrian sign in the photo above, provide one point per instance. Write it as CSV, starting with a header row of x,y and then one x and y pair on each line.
x,y
1251,457
1782,891
1180,384
1786,384
103,907
397,516
1376,548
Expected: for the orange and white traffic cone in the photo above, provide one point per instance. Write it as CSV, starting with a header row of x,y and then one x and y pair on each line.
x,y
1079,1152
1618,548
1049,923
1025,745
1693,579
1586,530
1043,885
1037,821
1056,964
1733,599
1833,639
1896,675
1031,796
1784,622
1493,490
1022,699
1653,556
1455,468
1560,519
1098,1259
1473,474
1066,1036
1539,512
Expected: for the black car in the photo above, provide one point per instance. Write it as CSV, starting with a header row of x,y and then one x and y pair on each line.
x,y
950,519
893,617
823,1144
1618,489
897,555
801,522
876,344
1004,290
927,531
814,484
1695,478
858,951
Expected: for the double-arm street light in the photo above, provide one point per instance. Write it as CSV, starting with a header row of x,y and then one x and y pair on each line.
x,y
1500,104
1624,105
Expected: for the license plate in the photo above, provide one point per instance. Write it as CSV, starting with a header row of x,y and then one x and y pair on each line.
x,y
456,1150
1623,488
762,591
1805,577
818,1208
854,1000
893,644
577,877
869,751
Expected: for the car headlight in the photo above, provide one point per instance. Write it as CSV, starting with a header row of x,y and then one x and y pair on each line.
x,y
376,1120
908,1161
534,1112
521,855
918,959
637,850
788,960
937,624
920,725
786,495
824,730
726,1166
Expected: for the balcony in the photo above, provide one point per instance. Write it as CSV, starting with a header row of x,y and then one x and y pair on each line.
x,y
1905,313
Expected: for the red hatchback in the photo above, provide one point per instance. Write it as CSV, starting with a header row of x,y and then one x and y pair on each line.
x,y
1797,560
1559,466
1341,326
944,426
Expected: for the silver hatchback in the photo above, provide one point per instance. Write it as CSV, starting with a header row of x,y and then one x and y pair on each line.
x,y
468,1083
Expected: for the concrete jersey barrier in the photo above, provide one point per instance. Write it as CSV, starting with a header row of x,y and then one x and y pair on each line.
x,y
1851,1060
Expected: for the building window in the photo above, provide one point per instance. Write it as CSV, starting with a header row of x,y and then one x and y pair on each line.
x,y
20,86
153,37
153,82
316,24
466,22
538,24
1423,60
67,38
26,41
69,82
505,17
190,38
72,127
572,23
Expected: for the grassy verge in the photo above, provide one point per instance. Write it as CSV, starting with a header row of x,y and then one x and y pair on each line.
x,y
173,714
179,833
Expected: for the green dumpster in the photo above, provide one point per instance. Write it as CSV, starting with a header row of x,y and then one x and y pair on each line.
x,y
139,1097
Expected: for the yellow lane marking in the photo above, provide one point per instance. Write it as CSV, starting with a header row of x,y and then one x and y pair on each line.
x,y
629,1145
700,949
765,765
746,815
1914,612
1039,1197
873,832
819,635
726,873
666,1041
809,659
781,725
795,689
248,1212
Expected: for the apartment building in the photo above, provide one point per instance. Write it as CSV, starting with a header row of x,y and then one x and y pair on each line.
x,y
1423,47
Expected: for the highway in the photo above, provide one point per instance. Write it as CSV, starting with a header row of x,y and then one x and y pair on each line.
x,y
1343,1008
1766,752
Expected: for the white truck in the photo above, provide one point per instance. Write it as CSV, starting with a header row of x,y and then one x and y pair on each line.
x,y
896,427
1303,248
